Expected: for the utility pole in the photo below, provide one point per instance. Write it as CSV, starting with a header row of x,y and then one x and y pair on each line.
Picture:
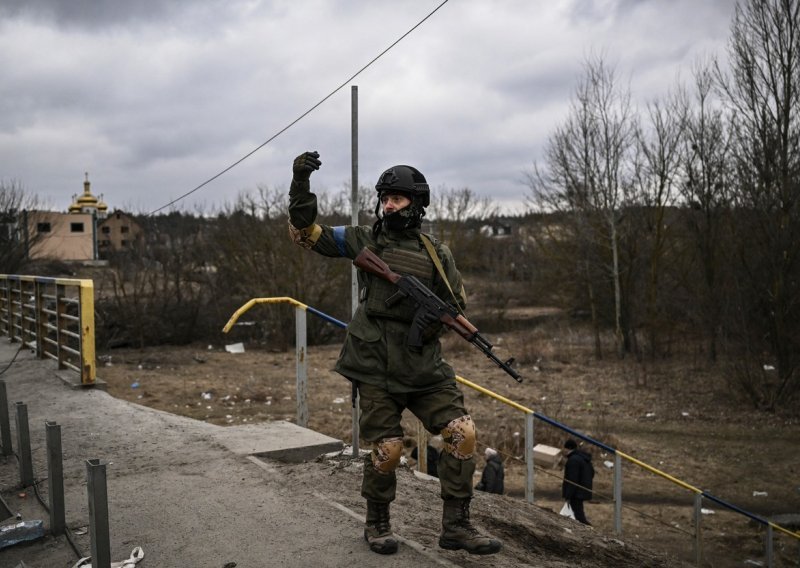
x,y
354,222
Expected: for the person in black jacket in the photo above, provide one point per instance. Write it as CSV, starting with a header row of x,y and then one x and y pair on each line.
x,y
493,475
578,475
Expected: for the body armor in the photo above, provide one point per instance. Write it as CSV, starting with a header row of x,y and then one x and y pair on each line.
x,y
381,297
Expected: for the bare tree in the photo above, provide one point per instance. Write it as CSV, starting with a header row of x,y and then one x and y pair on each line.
x,y
16,236
659,152
589,174
457,217
160,290
705,192
255,257
763,94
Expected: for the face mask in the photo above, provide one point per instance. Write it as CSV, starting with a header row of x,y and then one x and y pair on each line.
x,y
409,217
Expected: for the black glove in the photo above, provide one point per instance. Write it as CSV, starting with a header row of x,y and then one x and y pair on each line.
x,y
430,325
304,164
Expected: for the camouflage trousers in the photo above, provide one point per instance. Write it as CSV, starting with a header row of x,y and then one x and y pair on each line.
x,y
380,419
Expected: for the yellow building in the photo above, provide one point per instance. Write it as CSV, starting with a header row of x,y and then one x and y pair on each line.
x,y
82,233
61,236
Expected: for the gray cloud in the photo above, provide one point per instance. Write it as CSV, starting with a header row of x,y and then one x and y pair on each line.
x,y
155,97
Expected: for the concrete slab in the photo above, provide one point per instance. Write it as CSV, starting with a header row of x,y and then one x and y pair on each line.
x,y
73,380
281,440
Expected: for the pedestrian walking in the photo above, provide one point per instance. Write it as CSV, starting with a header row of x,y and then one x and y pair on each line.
x,y
578,476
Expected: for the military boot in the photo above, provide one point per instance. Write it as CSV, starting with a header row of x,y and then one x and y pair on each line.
x,y
458,532
378,531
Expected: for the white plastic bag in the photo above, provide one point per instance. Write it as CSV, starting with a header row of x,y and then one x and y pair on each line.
x,y
136,555
566,510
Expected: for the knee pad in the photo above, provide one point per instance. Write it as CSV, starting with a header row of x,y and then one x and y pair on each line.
x,y
386,455
459,437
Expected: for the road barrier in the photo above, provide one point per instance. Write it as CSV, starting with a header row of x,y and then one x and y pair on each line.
x,y
699,494
54,316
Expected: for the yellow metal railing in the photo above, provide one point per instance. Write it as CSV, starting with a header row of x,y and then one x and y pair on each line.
x,y
54,316
627,457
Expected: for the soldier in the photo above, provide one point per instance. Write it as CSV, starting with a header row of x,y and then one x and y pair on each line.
x,y
391,376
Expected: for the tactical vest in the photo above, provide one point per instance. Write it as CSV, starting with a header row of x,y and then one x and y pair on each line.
x,y
377,292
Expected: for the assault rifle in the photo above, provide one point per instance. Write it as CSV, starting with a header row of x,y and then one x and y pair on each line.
x,y
429,304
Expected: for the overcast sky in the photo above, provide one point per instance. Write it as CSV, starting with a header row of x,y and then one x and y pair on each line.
x,y
154,97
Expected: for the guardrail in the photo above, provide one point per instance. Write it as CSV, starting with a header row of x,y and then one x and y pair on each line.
x,y
699,494
54,316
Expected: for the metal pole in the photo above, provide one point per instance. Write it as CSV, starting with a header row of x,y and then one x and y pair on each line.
x,y
698,528
353,185
55,478
422,448
61,309
769,541
41,319
24,446
302,367
94,234
354,221
5,424
529,443
98,513
617,495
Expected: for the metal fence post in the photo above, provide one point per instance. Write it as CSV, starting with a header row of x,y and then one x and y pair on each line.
x,y
12,329
41,319
617,494
61,309
356,441
529,443
98,513
55,478
422,448
86,311
5,424
698,528
24,446
302,366
768,543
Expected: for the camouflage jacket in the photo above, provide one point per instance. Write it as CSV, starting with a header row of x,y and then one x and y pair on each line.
x,y
375,350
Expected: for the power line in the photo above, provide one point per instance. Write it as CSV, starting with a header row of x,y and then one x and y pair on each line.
x,y
299,118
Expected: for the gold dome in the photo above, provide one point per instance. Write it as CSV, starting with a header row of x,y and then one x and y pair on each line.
x,y
86,201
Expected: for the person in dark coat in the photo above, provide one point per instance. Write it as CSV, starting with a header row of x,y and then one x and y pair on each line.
x,y
493,475
578,475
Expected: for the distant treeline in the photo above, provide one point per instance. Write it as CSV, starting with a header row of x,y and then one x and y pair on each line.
x,y
674,223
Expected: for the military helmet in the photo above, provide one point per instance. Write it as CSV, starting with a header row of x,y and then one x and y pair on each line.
x,y
405,180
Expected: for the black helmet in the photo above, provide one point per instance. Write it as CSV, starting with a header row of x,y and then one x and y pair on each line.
x,y
405,180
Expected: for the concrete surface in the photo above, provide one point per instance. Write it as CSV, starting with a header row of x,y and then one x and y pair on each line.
x,y
187,492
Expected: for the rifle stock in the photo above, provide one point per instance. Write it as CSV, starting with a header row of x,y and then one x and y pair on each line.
x,y
370,262
429,302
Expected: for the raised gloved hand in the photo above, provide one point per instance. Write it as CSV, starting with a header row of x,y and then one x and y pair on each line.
x,y
304,164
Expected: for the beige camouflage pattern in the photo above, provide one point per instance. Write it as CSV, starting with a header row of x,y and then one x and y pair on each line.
x,y
459,437
307,237
386,455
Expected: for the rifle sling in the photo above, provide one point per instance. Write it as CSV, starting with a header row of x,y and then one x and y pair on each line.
x,y
435,258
